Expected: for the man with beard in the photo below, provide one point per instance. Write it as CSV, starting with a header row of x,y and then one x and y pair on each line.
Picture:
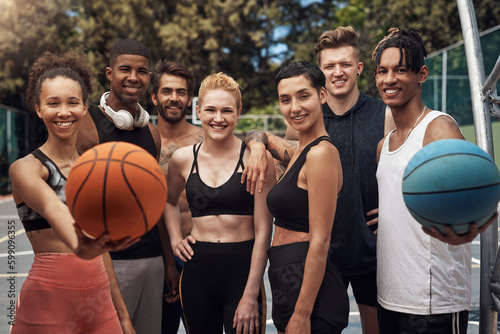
x,y
172,93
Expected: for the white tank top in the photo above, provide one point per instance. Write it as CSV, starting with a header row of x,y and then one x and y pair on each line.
x,y
416,274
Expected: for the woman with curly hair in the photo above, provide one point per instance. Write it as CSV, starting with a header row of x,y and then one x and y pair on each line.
x,y
70,287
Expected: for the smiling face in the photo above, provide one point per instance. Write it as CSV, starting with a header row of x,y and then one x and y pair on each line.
x,y
61,106
218,112
172,98
341,67
300,102
129,78
396,84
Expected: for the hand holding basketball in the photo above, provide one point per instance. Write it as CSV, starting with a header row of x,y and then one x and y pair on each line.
x,y
450,237
451,183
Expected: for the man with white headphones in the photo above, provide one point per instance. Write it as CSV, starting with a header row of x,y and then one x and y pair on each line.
x,y
140,268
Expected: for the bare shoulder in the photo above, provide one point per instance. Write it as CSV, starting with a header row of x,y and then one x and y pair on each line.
x,y
26,168
324,150
443,127
182,155
323,168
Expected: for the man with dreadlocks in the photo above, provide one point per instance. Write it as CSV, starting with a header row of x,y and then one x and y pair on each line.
x,y
423,277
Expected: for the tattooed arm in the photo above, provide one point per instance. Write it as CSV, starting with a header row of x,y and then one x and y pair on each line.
x,y
256,167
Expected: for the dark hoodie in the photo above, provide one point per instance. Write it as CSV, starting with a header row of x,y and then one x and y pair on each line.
x,y
356,135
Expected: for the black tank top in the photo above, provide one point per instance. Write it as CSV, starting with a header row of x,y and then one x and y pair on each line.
x,y
231,198
150,243
107,132
31,219
286,201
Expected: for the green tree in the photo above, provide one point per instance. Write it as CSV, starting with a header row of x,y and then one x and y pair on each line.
x,y
27,28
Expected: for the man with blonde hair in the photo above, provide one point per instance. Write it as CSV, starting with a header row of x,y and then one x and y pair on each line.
x,y
356,123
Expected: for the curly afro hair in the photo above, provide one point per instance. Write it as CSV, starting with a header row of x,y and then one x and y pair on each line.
x,y
50,65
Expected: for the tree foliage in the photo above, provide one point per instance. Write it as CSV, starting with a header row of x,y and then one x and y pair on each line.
x,y
247,39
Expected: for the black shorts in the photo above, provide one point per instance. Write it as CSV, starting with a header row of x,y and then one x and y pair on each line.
x,y
391,322
364,287
286,272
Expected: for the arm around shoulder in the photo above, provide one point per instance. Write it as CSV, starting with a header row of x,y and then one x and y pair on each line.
x,y
256,167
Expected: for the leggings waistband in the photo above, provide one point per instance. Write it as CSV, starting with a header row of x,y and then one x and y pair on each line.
x,y
289,253
222,247
66,270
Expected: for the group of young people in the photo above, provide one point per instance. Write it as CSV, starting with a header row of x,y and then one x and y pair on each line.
x,y
212,245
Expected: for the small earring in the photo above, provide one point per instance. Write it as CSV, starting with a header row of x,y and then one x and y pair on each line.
x,y
358,74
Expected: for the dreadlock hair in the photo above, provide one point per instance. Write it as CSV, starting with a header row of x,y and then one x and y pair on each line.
x,y
128,47
50,65
407,40
341,36
309,70
173,68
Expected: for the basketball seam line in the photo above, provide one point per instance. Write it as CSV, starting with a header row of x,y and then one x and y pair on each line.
x,y
104,218
445,155
121,161
441,223
450,191
82,184
145,219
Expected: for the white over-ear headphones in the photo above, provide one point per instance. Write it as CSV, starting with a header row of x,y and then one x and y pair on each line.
x,y
123,119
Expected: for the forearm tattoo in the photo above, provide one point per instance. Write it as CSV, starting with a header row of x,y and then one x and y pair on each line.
x,y
257,135
278,142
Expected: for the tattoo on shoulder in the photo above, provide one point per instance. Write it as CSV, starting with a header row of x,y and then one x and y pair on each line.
x,y
200,138
166,155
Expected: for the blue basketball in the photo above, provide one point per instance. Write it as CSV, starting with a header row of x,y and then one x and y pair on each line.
x,y
451,182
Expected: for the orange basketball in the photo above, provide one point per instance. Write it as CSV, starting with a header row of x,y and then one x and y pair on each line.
x,y
118,188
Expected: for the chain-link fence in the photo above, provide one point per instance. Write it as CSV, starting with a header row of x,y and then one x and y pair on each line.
x,y
448,78
14,141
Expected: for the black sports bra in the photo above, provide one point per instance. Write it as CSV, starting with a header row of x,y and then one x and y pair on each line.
x,y
31,219
286,201
231,198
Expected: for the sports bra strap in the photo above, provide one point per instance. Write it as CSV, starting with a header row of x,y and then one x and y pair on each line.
x,y
240,161
195,160
316,141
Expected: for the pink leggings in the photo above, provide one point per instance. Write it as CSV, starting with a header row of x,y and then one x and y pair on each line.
x,y
65,294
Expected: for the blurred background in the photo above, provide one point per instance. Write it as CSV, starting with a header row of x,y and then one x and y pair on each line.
x,y
248,39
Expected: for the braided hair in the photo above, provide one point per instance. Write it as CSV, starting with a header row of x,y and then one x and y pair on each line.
x,y
407,40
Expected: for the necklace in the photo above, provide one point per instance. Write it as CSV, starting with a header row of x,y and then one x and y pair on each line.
x,y
414,125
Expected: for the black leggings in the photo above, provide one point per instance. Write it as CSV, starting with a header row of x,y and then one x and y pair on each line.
x,y
212,284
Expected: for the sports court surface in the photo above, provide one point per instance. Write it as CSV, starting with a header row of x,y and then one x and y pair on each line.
x,y
24,257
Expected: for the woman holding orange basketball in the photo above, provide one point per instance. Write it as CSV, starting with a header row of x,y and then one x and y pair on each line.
x,y
225,254
63,292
